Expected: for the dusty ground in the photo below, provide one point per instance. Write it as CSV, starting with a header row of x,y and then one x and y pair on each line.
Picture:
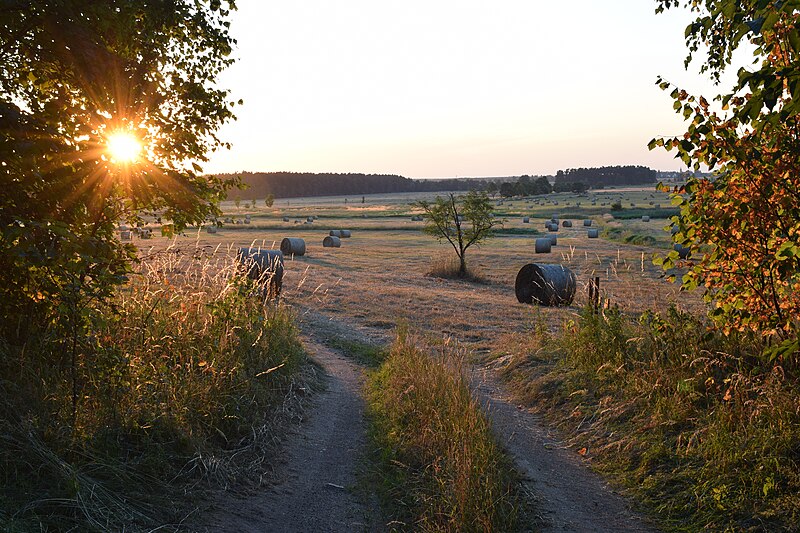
x,y
377,278
313,489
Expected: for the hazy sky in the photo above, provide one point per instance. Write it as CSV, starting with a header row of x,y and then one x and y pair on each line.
x,y
452,88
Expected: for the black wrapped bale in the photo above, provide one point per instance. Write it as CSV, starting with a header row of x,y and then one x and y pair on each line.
x,y
545,285
331,242
593,233
587,223
293,246
645,218
265,266
567,223
683,251
344,233
526,220
553,240
335,233
542,245
553,227
286,219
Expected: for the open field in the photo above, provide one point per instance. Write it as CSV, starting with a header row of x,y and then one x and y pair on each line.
x,y
379,276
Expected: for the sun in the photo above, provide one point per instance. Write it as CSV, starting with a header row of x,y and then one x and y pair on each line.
x,y
123,147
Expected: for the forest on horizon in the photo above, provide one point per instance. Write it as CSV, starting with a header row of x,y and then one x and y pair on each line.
x,y
305,184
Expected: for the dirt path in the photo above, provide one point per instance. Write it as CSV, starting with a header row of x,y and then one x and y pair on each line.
x,y
569,496
314,487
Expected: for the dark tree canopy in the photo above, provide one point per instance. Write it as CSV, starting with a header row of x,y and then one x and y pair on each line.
x,y
73,73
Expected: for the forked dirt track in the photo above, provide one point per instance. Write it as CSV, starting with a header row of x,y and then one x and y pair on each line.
x,y
351,294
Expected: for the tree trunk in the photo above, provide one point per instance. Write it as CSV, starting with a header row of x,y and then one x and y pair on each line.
x,y
462,267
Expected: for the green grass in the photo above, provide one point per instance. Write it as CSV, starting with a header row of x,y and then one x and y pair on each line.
x,y
369,355
178,378
438,467
701,433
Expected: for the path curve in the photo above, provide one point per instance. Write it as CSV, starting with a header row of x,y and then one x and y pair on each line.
x,y
569,496
314,485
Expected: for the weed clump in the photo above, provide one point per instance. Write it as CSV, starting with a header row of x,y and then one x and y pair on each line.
x,y
690,420
182,370
439,465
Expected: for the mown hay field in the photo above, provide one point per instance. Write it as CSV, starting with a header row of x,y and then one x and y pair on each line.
x,y
380,275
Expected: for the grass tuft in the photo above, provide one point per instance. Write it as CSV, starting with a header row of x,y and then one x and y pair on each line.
x,y
700,433
440,468
180,380
448,267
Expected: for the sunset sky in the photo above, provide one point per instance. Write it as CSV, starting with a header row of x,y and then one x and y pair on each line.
x,y
444,88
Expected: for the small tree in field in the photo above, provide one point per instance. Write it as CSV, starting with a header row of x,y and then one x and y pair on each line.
x,y
744,222
461,221
269,200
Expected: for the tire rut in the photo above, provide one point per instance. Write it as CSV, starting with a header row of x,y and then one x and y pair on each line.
x,y
314,487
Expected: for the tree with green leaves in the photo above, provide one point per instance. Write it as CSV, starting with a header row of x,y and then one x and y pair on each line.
x,y
107,112
462,221
743,223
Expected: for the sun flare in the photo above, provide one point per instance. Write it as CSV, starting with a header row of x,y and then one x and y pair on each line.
x,y
123,147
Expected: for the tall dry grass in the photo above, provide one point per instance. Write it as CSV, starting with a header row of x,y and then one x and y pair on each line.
x,y
440,466
690,421
180,380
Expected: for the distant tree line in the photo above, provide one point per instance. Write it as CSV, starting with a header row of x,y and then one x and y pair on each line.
x,y
303,184
597,178
300,184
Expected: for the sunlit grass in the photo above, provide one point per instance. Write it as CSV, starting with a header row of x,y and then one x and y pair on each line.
x,y
439,467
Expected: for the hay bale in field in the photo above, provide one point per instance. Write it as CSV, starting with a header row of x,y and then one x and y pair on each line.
x,y
264,266
567,223
331,241
645,218
683,251
545,285
125,235
553,227
593,233
344,233
526,220
542,245
335,233
309,219
286,219
587,223
211,229
293,246
553,240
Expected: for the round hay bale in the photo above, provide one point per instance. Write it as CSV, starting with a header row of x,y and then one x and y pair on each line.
x,y
542,245
553,240
125,235
567,223
264,266
286,219
645,218
683,251
553,227
293,246
344,233
211,229
587,223
309,219
545,285
526,220
331,241
335,233
593,233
